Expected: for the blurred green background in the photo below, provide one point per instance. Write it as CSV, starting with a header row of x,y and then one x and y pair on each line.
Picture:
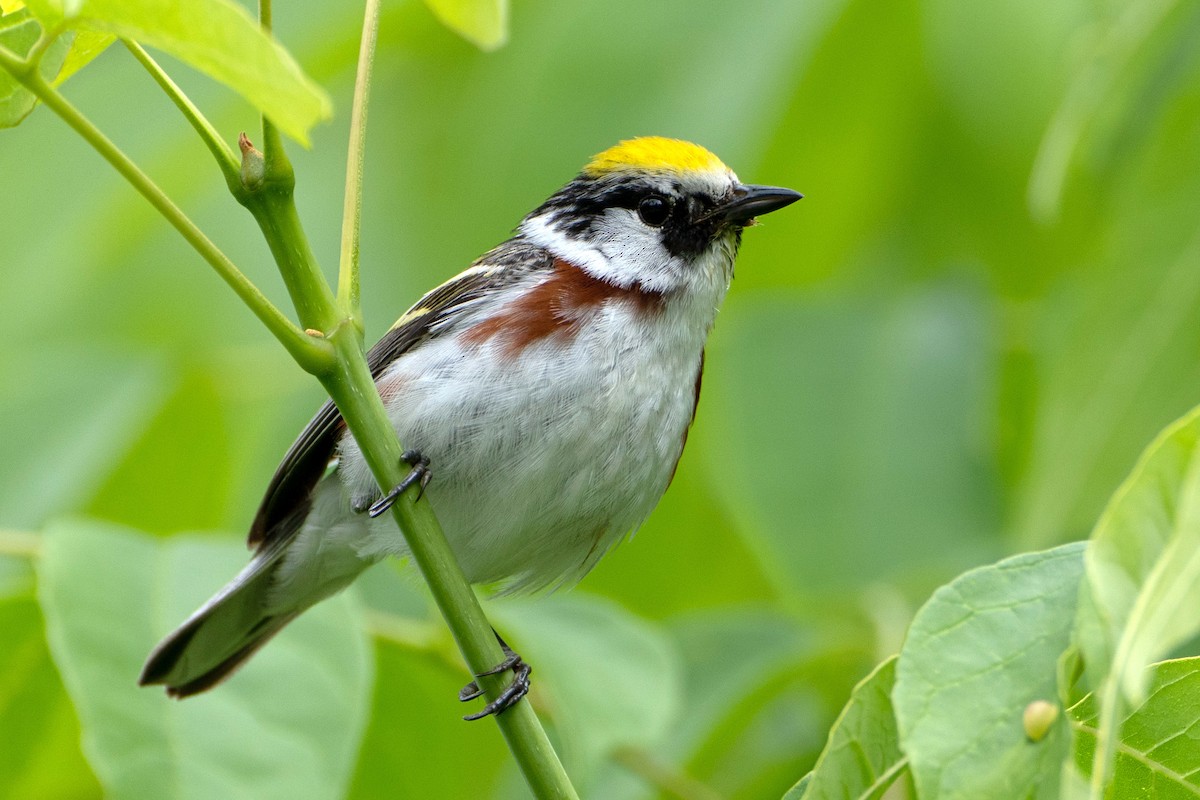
x,y
953,349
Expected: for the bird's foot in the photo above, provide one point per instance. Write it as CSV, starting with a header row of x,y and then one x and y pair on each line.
x,y
511,694
420,473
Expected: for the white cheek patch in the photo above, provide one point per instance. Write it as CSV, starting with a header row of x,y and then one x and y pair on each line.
x,y
540,232
625,251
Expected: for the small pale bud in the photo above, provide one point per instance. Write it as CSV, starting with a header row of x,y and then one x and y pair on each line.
x,y
314,332
253,170
1039,716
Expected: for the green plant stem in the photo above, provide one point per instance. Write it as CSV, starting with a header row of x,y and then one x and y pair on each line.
x,y
275,212
354,392
227,160
274,157
311,353
352,388
35,54
348,284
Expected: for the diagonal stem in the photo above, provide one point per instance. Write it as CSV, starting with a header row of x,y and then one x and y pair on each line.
x,y
312,354
226,159
354,392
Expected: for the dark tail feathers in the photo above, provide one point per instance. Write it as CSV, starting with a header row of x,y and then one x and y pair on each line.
x,y
220,636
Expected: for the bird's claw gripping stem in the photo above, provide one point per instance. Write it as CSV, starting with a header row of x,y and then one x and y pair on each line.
x,y
420,473
511,694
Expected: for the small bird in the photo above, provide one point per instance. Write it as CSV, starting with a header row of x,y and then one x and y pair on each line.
x,y
546,394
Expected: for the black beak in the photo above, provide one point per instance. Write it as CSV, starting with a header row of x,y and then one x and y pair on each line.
x,y
750,201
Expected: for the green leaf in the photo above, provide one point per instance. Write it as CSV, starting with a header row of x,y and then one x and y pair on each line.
x,y
18,33
218,38
799,788
288,725
39,733
1143,577
484,23
1143,565
86,46
863,757
1157,752
610,679
984,647
1114,358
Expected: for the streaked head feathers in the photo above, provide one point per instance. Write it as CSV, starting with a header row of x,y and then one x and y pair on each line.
x,y
654,154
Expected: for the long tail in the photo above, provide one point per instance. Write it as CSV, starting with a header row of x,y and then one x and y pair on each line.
x,y
221,635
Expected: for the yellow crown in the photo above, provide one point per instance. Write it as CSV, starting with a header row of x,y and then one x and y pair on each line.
x,y
655,153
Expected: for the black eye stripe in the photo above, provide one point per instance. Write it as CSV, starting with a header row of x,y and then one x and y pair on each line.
x,y
578,208
628,196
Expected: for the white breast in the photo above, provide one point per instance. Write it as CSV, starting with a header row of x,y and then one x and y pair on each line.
x,y
542,461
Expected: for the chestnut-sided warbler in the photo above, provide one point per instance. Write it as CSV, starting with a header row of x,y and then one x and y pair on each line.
x,y
546,393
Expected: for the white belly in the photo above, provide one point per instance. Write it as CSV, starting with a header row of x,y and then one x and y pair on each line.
x,y
543,461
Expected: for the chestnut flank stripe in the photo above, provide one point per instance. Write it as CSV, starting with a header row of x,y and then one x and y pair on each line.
x,y
556,307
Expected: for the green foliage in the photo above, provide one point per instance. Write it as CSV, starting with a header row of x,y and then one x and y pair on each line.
x,y
483,22
1143,576
951,351
982,649
260,738
1143,566
217,37
85,46
863,758
987,660
915,496
39,731
19,31
1157,754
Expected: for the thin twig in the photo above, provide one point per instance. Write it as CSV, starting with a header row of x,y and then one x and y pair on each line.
x,y
227,160
348,284
274,157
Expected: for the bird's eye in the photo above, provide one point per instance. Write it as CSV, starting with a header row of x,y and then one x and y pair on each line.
x,y
654,210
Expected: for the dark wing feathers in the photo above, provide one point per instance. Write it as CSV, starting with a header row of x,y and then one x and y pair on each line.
x,y
297,474
309,456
